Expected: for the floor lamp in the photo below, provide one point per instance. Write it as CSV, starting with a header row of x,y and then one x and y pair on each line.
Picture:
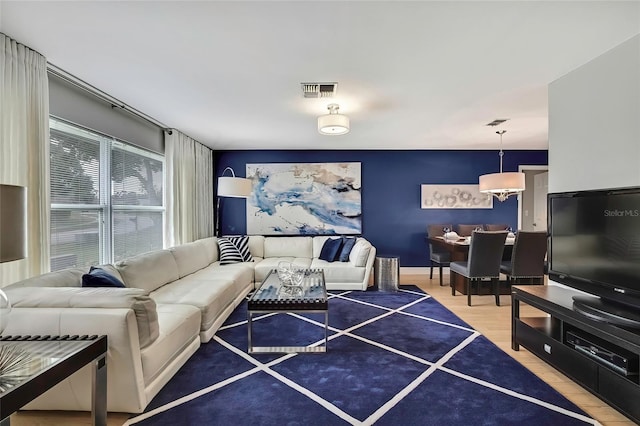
x,y
13,208
230,186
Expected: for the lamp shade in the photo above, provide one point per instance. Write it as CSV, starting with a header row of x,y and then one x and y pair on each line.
x,y
502,185
231,186
13,208
333,124
502,182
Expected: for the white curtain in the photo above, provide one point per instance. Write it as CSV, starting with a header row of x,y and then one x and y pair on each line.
x,y
24,149
188,189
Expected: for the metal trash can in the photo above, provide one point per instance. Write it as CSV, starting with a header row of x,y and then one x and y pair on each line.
x,y
386,273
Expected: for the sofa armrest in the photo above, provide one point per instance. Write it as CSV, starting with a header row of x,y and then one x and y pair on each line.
x,y
369,265
137,300
125,379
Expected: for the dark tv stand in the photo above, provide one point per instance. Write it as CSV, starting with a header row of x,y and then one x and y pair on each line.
x,y
544,331
607,311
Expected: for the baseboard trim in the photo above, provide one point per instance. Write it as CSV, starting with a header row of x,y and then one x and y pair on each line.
x,y
420,270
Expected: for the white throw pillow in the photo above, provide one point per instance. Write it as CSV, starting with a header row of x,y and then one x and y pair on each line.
x,y
360,253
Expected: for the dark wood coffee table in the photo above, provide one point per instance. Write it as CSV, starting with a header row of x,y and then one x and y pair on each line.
x,y
273,297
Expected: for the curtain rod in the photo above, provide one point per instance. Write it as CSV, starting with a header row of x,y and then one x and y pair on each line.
x,y
115,103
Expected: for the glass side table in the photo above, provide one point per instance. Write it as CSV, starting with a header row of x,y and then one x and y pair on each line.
x,y
51,359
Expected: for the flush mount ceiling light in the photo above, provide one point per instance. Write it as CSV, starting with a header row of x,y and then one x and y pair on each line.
x,y
333,123
502,185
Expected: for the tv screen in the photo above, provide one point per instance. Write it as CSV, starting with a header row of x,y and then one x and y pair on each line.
x,y
595,242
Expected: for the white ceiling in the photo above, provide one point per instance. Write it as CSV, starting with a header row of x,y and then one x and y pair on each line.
x,y
412,75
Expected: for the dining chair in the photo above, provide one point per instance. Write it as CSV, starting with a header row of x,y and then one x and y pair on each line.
x,y
527,258
496,227
483,262
466,230
506,255
438,256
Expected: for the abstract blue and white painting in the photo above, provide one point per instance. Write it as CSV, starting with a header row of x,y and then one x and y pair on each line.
x,y
304,199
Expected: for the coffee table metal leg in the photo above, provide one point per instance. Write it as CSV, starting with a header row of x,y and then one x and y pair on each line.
x,y
250,346
99,392
326,330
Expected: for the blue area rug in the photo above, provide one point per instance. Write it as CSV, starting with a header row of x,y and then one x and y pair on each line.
x,y
397,358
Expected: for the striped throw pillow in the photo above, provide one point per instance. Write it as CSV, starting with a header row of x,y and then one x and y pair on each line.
x,y
234,250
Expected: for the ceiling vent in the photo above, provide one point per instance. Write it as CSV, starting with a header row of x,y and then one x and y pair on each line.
x,y
319,90
497,121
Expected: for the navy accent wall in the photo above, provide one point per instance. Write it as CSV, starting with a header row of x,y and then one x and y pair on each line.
x,y
391,215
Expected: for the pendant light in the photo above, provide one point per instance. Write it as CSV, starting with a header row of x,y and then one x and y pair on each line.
x,y
333,123
504,184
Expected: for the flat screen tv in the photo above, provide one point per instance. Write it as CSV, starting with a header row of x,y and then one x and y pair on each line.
x,y
594,246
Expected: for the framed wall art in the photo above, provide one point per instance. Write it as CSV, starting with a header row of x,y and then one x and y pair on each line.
x,y
454,197
304,199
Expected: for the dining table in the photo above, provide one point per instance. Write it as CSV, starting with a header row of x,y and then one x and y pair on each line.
x,y
458,249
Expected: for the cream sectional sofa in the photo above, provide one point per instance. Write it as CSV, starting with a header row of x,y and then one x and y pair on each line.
x,y
175,300
305,251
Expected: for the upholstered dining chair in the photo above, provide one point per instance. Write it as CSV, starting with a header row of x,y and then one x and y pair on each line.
x,y
485,254
506,255
496,227
466,230
527,258
437,256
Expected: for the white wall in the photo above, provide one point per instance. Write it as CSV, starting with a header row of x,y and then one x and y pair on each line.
x,y
594,123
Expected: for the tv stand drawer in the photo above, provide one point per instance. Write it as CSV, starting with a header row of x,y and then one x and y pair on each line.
x,y
557,354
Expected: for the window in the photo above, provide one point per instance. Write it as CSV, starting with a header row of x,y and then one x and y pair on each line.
x,y
106,198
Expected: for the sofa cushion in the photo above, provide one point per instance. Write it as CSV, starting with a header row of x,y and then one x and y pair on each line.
x,y
179,326
190,257
256,245
331,249
360,252
240,273
135,299
339,272
210,247
211,296
149,270
345,250
98,277
288,247
268,264
71,277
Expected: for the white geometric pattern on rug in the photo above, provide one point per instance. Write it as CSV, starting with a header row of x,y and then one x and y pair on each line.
x,y
432,366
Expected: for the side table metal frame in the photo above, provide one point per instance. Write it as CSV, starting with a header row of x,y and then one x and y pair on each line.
x,y
95,354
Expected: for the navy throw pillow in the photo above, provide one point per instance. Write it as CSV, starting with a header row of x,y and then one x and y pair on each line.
x,y
347,245
331,249
98,277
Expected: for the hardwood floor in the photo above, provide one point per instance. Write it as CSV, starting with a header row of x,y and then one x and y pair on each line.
x,y
491,320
